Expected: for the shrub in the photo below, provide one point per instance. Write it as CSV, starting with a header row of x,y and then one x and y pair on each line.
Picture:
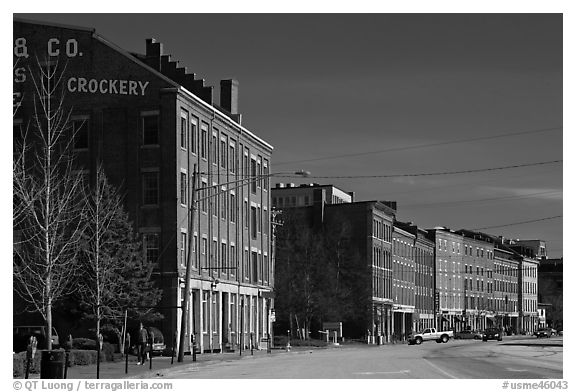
x,y
19,364
82,357
83,344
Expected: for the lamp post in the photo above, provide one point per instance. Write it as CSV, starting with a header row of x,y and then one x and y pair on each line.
x,y
191,214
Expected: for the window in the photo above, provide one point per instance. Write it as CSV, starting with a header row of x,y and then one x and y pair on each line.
x,y
259,170
246,217
232,156
205,315
254,267
224,254
254,222
204,199
194,135
233,210
259,219
150,130
150,188
183,241
184,131
151,247
204,141
81,134
214,149
223,152
204,252
266,175
183,188
195,250
253,174
232,260
223,203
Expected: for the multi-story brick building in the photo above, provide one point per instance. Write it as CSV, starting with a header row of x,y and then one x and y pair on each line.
x,y
550,290
449,279
528,262
478,270
150,123
403,281
369,228
423,316
506,264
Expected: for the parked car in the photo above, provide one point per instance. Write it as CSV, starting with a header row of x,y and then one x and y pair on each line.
x,y
468,334
22,335
492,334
543,333
430,334
158,346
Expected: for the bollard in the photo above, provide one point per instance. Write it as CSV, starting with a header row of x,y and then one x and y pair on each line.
x,y
251,343
150,350
126,351
174,347
100,342
269,348
68,347
288,343
193,348
30,352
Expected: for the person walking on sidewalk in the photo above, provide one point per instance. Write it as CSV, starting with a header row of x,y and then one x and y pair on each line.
x,y
142,343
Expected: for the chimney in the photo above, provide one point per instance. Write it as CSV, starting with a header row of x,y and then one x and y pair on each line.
x,y
229,95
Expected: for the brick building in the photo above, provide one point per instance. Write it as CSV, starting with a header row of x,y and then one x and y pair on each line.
x,y
403,279
150,122
550,290
478,270
423,316
449,281
506,266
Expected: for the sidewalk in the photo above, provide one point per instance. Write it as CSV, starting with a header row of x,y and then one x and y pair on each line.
x,y
117,369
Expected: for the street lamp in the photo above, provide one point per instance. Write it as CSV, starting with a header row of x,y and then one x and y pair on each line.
x,y
191,213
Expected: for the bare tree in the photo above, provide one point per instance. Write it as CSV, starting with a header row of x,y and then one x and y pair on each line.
x,y
45,197
116,277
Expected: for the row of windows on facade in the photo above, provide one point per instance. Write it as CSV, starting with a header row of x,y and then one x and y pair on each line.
x,y
381,230
468,250
291,201
253,307
255,266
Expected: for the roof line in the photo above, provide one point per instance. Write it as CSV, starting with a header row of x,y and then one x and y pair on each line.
x,y
134,59
53,24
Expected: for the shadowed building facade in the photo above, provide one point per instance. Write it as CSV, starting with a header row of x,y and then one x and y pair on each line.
x,y
150,122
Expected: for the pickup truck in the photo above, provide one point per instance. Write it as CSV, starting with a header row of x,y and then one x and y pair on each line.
x,y
430,334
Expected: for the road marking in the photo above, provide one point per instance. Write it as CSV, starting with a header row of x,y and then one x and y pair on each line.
x,y
437,368
372,373
516,370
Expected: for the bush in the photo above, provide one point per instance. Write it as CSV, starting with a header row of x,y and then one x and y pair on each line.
x,y
83,344
82,357
19,364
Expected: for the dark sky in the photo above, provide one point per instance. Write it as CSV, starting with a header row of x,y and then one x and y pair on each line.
x,y
464,91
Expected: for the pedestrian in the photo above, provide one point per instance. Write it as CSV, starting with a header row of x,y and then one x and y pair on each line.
x,y
142,343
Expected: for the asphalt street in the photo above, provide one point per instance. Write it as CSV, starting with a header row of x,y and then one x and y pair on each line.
x,y
466,359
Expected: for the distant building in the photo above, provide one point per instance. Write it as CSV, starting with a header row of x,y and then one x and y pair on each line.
x,y
150,122
423,315
290,195
403,279
550,291
506,269
368,230
449,280
478,272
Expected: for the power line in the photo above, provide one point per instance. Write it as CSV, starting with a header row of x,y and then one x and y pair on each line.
x,y
438,173
482,200
519,223
417,146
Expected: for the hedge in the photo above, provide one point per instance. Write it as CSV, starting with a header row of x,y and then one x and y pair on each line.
x,y
76,358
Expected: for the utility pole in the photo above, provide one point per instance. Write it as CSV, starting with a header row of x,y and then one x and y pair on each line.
x,y
186,299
